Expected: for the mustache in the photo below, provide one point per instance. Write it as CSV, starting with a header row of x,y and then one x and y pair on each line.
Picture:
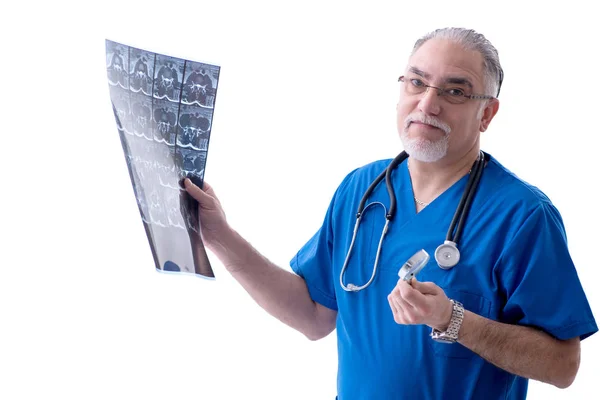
x,y
426,119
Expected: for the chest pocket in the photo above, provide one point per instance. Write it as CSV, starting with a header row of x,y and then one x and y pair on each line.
x,y
471,302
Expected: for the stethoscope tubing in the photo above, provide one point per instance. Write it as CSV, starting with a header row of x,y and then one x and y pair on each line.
x,y
452,237
464,205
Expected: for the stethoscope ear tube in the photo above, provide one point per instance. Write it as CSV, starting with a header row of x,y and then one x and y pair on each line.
x,y
465,201
470,195
388,182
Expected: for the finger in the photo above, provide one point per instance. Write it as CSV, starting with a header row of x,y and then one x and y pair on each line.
x,y
393,306
418,302
401,301
409,295
397,311
416,305
406,315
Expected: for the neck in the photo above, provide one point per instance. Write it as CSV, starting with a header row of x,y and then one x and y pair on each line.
x,y
429,180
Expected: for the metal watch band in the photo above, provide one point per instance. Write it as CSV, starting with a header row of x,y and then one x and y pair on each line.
x,y
451,333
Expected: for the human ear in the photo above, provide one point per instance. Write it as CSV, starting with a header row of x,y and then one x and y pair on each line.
x,y
488,114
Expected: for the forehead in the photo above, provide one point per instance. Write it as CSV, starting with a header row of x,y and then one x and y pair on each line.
x,y
443,59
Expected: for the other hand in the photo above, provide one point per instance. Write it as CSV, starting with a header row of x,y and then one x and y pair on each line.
x,y
420,303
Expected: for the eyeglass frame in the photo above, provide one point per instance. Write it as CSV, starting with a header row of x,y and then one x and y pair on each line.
x,y
440,91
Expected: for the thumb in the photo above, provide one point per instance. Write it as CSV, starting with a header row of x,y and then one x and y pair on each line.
x,y
424,287
194,191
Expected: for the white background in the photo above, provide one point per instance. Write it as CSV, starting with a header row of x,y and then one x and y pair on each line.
x,y
307,93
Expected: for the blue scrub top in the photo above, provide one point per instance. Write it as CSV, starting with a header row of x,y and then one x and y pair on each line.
x,y
515,268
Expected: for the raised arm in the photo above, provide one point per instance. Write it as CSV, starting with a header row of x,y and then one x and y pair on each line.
x,y
281,293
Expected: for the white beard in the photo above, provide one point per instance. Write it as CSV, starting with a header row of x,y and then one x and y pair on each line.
x,y
424,150
421,149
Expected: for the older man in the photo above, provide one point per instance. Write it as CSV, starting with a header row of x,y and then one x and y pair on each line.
x,y
508,309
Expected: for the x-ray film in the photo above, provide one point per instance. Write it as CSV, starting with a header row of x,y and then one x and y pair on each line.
x,y
163,108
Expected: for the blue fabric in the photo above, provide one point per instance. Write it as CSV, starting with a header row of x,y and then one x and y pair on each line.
x,y
515,268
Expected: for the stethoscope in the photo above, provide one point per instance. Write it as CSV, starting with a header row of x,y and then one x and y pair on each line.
x,y
447,254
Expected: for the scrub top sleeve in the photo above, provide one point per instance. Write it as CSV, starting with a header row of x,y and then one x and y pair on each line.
x,y
540,281
314,260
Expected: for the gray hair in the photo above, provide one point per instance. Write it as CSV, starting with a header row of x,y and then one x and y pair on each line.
x,y
471,40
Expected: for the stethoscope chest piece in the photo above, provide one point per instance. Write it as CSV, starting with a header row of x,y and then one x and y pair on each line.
x,y
447,255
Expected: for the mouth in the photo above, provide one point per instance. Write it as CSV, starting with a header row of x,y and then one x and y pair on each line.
x,y
422,124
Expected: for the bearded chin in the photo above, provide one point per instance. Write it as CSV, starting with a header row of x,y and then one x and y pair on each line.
x,y
423,149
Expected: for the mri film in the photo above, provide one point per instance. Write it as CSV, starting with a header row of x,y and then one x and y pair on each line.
x,y
163,108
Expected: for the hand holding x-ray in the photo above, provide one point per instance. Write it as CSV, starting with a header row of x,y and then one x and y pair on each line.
x,y
210,214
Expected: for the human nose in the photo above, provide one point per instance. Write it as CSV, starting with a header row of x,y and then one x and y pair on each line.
x,y
430,101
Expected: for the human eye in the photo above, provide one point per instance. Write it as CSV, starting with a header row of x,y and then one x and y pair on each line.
x,y
417,82
455,92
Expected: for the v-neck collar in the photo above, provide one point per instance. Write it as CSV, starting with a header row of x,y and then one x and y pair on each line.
x,y
448,199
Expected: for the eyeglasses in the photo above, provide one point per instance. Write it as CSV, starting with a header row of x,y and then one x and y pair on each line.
x,y
454,95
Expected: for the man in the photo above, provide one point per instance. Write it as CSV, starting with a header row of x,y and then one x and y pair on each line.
x,y
512,309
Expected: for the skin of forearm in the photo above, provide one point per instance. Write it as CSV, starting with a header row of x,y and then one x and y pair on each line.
x,y
521,350
281,293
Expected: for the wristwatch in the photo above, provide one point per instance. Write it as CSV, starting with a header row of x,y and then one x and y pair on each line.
x,y
451,333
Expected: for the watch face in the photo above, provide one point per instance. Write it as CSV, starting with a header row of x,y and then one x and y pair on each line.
x,y
442,337
443,340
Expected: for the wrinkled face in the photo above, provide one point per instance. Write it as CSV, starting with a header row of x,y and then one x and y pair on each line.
x,y
432,127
